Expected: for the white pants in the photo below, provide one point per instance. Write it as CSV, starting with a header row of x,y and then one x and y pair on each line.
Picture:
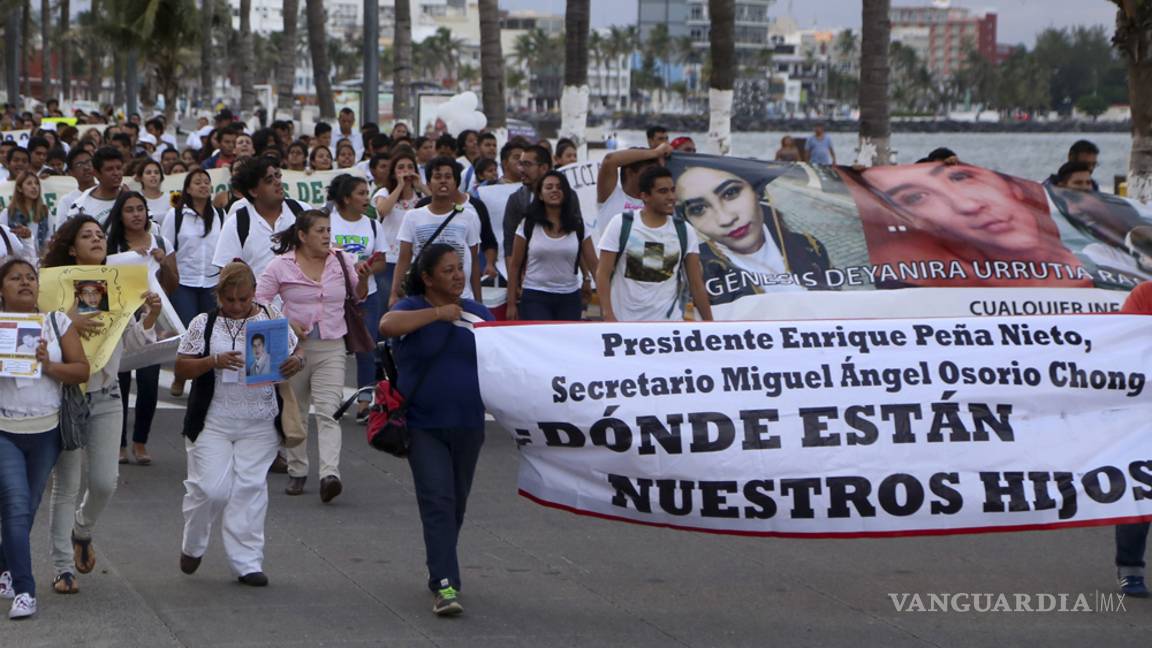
x,y
321,384
227,474
102,456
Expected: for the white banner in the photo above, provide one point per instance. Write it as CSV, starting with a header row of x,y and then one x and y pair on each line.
x,y
831,429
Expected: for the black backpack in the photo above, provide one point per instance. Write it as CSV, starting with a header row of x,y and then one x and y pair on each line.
x,y
244,219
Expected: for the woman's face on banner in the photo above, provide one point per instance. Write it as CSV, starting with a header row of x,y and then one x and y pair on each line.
x,y
722,206
91,296
961,202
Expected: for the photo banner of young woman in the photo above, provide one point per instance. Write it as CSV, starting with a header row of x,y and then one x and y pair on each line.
x,y
839,241
110,294
831,429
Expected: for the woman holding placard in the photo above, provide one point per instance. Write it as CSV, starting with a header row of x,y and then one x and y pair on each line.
x,y
313,281
130,230
29,434
82,242
231,429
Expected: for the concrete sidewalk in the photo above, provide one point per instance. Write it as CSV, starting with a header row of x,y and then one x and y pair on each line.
x,y
351,573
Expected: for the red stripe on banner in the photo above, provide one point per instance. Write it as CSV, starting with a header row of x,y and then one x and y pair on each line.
x,y
495,323
847,535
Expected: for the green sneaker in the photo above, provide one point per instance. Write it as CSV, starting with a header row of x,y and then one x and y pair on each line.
x,y
446,602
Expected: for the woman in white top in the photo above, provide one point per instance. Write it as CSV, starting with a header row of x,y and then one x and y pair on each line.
x,y
29,432
552,247
130,230
150,175
231,429
362,238
26,217
81,241
193,227
401,191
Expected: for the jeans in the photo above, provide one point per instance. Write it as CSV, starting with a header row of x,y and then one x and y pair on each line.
x,y
147,395
190,302
1131,539
26,461
321,384
366,360
443,463
384,286
102,459
228,481
540,306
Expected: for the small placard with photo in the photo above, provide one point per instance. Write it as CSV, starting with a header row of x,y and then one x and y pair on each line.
x,y
265,349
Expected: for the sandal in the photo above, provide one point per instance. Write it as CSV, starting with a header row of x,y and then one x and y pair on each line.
x,y
65,584
82,554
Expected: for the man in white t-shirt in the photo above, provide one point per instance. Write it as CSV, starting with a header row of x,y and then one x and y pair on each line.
x,y
247,235
108,170
618,181
641,279
461,232
79,167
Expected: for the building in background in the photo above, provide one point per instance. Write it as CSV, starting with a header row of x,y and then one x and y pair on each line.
x,y
943,35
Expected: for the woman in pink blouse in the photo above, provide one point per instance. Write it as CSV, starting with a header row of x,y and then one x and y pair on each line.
x,y
309,277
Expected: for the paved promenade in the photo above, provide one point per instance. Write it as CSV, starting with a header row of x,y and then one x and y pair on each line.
x,y
351,574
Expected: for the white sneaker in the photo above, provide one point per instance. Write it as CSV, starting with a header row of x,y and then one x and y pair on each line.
x,y
23,607
6,591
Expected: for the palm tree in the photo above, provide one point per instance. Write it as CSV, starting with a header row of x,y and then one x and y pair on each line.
x,y
62,46
25,51
321,74
515,82
45,36
722,45
12,54
574,102
286,69
492,65
1134,40
247,58
875,121
162,32
207,51
402,70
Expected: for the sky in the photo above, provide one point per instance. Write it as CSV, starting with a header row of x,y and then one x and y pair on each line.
x,y
1019,20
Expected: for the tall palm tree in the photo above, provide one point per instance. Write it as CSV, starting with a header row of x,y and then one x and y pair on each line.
x,y
286,67
1134,40
574,102
63,49
25,50
402,69
12,54
492,65
321,73
246,55
722,45
162,33
875,120
45,37
207,51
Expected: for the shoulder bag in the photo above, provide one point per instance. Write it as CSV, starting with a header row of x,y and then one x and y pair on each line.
x,y
74,408
358,339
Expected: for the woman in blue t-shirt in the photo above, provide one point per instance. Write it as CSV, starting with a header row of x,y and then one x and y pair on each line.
x,y
436,362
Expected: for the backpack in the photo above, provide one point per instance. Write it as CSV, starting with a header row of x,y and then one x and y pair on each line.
x,y
244,219
626,220
179,215
530,226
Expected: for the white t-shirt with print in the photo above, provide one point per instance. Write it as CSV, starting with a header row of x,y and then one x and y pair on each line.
x,y
360,238
90,205
551,266
390,222
647,280
462,233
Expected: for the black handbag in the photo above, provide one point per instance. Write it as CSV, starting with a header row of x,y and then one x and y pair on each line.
x,y
74,409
